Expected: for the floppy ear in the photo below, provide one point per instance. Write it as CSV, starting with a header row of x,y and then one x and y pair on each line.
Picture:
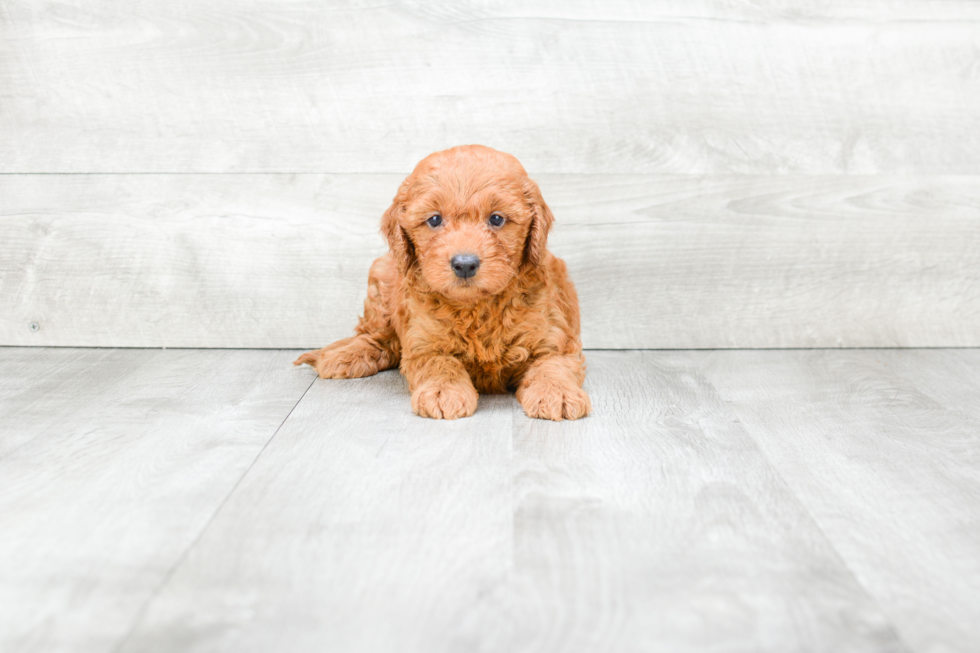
x,y
537,235
400,244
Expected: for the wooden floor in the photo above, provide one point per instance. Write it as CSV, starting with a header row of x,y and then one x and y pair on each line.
x,y
222,500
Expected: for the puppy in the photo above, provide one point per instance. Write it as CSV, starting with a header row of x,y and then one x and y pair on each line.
x,y
468,299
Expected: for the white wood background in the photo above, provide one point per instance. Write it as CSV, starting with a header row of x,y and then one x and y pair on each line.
x,y
724,174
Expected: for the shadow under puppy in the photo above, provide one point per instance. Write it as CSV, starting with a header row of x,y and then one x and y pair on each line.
x,y
468,299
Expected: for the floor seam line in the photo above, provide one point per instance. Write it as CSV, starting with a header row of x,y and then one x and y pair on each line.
x,y
809,513
167,577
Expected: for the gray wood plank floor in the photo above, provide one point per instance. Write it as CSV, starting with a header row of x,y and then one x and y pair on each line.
x,y
112,462
201,500
888,464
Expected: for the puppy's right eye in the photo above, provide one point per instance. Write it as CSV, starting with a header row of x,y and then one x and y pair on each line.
x,y
434,221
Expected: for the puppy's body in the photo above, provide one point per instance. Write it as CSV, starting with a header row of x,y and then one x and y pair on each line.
x,y
511,325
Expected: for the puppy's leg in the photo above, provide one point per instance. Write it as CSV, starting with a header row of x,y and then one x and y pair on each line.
x,y
350,358
441,387
375,347
552,388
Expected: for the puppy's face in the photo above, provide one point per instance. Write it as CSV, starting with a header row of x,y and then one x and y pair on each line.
x,y
469,217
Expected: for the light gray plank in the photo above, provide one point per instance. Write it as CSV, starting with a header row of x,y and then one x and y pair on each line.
x,y
655,524
187,260
746,262
659,261
671,86
361,528
111,464
882,448
951,379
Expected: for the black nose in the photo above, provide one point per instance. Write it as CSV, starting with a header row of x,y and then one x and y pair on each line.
x,y
465,265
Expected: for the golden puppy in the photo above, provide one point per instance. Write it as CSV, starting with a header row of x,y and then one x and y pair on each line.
x,y
468,299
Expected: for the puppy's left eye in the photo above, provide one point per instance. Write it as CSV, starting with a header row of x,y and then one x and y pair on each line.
x,y
496,220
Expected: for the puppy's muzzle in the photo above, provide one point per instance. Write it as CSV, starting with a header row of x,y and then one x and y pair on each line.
x,y
465,265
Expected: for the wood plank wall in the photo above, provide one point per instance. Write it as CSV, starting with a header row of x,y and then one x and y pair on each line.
x,y
724,174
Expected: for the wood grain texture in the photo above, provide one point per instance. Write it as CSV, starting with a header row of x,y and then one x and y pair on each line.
x,y
659,261
111,464
882,448
655,524
361,528
724,501
584,87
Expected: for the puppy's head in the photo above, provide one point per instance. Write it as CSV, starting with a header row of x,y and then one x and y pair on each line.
x,y
470,219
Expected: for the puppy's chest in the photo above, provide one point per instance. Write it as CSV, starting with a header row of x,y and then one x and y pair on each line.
x,y
483,336
494,343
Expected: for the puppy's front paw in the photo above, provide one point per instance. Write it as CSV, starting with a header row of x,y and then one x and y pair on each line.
x,y
445,401
554,401
352,358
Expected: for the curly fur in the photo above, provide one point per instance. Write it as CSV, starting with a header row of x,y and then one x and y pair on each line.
x,y
514,326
